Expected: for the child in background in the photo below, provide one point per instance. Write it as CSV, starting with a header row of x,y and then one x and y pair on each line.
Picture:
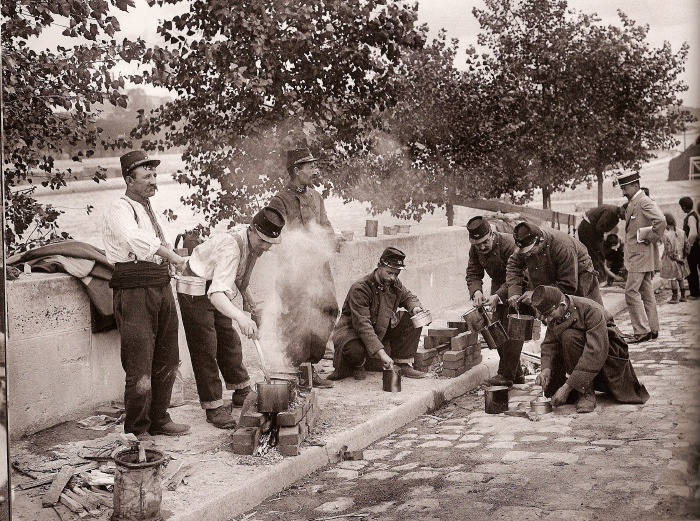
x,y
674,265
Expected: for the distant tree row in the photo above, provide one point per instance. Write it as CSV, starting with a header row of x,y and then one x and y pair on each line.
x,y
405,123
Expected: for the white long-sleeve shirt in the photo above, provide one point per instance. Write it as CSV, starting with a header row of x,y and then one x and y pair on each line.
x,y
128,234
220,260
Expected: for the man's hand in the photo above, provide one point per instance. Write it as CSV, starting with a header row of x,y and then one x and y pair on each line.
x,y
514,301
248,327
387,362
416,310
493,301
479,299
526,298
178,263
561,395
543,378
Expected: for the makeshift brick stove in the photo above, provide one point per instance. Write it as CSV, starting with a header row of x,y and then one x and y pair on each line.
x,y
455,347
259,431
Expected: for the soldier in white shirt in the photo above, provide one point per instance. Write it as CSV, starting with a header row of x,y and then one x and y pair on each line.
x,y
144,306
226,262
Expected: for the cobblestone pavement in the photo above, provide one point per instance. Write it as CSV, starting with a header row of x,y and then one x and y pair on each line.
x,y
621,462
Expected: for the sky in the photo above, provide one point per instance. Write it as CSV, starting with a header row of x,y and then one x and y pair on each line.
x,y
675,21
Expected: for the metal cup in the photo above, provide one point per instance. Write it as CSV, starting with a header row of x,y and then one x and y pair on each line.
x,y
391,380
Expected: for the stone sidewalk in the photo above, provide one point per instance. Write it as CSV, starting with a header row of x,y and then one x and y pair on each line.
x,y
619,463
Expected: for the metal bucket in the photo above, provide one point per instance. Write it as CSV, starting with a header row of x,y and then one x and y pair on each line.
x,y
520,327
371,228
191,285
494,335
137,486
495,399
476,319
391,380
273,396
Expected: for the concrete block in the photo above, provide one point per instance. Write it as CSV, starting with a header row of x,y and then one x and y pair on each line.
x,y
290,435
446,332
288,450
290,418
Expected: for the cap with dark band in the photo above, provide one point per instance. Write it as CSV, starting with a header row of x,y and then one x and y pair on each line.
x,y
546,298
299,156
625,179
393,258
479,229
134,159
525,235
268,224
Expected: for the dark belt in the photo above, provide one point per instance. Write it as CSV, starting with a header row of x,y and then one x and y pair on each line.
x,y
139,274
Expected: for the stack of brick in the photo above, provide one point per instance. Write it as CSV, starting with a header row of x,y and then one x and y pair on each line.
x,y
455,346
294,426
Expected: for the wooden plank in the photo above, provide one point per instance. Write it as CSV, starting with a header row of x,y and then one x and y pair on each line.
x,y
74,506
84,501
54,493
173,482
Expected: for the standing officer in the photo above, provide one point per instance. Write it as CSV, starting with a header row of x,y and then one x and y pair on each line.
x,y
370,330
306,327
644,230
489,253
144,306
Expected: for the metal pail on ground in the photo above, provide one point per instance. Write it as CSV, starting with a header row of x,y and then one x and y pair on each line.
x,y
496,399
391,380
137,488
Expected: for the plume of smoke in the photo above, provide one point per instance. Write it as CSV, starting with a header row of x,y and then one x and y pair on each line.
x,y
296,309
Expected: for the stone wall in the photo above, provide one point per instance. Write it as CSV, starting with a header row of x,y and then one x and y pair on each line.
x,y
58,370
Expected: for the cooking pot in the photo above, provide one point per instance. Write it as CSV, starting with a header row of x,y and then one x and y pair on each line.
x,y
496,399
476,319
422,319
191,285
273,396
541,405
520,327
494,334
292,378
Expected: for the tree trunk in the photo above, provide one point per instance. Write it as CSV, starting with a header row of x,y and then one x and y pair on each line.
x,y
546,198
449,207
599,176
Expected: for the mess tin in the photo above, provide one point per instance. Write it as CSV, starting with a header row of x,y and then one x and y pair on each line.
x,y
422,319
520,327
476,319
541,405
191,285
273,396
495,399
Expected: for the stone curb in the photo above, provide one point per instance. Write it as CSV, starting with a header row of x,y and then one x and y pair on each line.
x,y
272,480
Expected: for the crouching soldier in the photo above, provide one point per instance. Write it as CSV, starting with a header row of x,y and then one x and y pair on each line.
x,y
226,261
371,334
583,342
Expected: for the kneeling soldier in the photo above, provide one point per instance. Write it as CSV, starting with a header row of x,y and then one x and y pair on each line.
x,y
583,342
370,333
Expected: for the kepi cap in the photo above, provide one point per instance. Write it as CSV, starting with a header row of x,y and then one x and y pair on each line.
x,y
479,229
393,258
546,298
134,159
299,156
525,235
268,224
625,179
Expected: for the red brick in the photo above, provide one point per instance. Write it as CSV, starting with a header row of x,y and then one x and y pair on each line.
x,y
472,338
290,418
431,342
288,450
454,365
245,436
425,354
447,332
453,356
461,326
459,342
290,435
452,373
251,419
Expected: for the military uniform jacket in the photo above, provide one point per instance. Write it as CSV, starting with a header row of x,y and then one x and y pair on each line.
x,y
368,312
560,263
300,209
494,263
604,362
642,212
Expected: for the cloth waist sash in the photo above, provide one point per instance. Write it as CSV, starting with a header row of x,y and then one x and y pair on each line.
x,y
140,274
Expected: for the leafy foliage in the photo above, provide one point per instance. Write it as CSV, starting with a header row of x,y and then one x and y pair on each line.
x,y
256,77
49,100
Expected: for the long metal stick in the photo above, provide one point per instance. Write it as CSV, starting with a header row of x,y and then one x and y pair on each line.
x,y
262,359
